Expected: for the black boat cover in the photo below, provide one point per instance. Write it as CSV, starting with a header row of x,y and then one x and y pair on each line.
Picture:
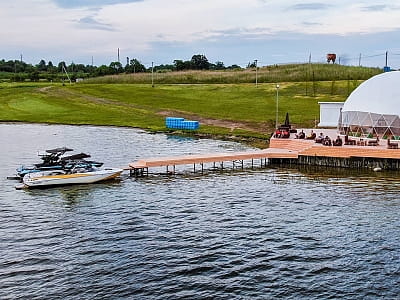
x,y
57,150
75,157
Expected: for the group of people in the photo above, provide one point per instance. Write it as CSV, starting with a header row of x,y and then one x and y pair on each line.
x,y
302,135
324,140
279,133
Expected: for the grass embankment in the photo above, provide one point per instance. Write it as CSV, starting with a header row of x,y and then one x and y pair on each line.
x,y
268,74
240,110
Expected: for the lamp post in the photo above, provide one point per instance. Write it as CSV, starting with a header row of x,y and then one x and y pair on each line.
x,y
277,105
255,63
152,74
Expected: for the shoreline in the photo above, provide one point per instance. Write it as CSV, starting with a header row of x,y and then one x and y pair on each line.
x,y
258,143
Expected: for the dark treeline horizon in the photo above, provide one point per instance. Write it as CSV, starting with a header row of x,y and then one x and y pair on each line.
x,y
18,70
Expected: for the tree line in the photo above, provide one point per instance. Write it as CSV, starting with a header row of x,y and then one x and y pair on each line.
x,y
18,70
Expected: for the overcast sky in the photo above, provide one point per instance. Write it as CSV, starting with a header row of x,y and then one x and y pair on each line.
x,y
232,31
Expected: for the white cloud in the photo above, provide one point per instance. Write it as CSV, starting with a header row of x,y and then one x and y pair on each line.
x,y
136,25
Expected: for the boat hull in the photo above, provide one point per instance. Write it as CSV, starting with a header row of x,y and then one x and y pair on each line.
x,y
53,178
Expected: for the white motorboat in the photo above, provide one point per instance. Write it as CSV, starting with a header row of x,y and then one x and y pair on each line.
x,y
63,177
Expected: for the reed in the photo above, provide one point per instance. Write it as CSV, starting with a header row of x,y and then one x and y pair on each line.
x,y
269,74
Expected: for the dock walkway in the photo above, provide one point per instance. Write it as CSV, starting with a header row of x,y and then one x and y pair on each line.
x,y
139,167
281,150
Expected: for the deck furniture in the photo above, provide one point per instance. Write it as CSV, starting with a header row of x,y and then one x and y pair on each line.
x,y
361,142
349,141
374,142
391,145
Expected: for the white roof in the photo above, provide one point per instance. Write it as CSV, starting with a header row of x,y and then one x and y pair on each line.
x,y
379,94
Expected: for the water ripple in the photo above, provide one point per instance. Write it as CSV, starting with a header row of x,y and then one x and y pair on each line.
x,y
272,233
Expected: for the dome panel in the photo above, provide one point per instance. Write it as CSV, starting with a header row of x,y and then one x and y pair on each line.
x,y
379,94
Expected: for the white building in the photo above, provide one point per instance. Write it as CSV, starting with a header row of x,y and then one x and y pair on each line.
x,y
374,107
329,113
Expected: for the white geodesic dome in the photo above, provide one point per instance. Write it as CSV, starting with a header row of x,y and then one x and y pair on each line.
x,y
373,107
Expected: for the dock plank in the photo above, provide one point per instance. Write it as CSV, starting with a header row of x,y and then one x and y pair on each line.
x,y
212,157
279,149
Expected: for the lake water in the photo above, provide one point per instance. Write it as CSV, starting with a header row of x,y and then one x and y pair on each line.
x,y
264,233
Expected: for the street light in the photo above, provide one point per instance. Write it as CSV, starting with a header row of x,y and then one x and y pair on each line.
x,y
152,74
277,101
255,63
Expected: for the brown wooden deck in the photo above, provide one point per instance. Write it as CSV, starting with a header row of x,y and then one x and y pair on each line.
x,y
201,159
279,149
310,148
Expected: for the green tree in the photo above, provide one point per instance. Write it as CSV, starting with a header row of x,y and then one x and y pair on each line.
x,y
200,62
219,65
80,68
179,65
71,68
234,67
251,65
61,64
135,66
51,68
104,70
164,68
34,76
41,66
116,66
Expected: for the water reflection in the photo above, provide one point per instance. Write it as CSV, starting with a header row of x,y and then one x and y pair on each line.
x,y
73,195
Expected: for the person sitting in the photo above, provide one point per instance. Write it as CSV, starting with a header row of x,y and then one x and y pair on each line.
x,y
301,135
278,133
320,138
327,141
285,134
338,142
312,136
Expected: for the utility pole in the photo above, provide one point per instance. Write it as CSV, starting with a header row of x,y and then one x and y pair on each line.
x,y
255,62
65,70
152,74
359,61
118,55
277,106
386,64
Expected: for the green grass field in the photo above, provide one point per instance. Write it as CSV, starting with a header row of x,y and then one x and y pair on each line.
x,y
228,104
240,110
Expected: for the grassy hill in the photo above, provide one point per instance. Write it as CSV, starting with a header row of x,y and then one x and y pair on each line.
x,y
240,111
269,74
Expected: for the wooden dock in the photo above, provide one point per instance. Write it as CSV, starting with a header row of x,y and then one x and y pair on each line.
x,y
139,167
346,156
310,148
280,151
